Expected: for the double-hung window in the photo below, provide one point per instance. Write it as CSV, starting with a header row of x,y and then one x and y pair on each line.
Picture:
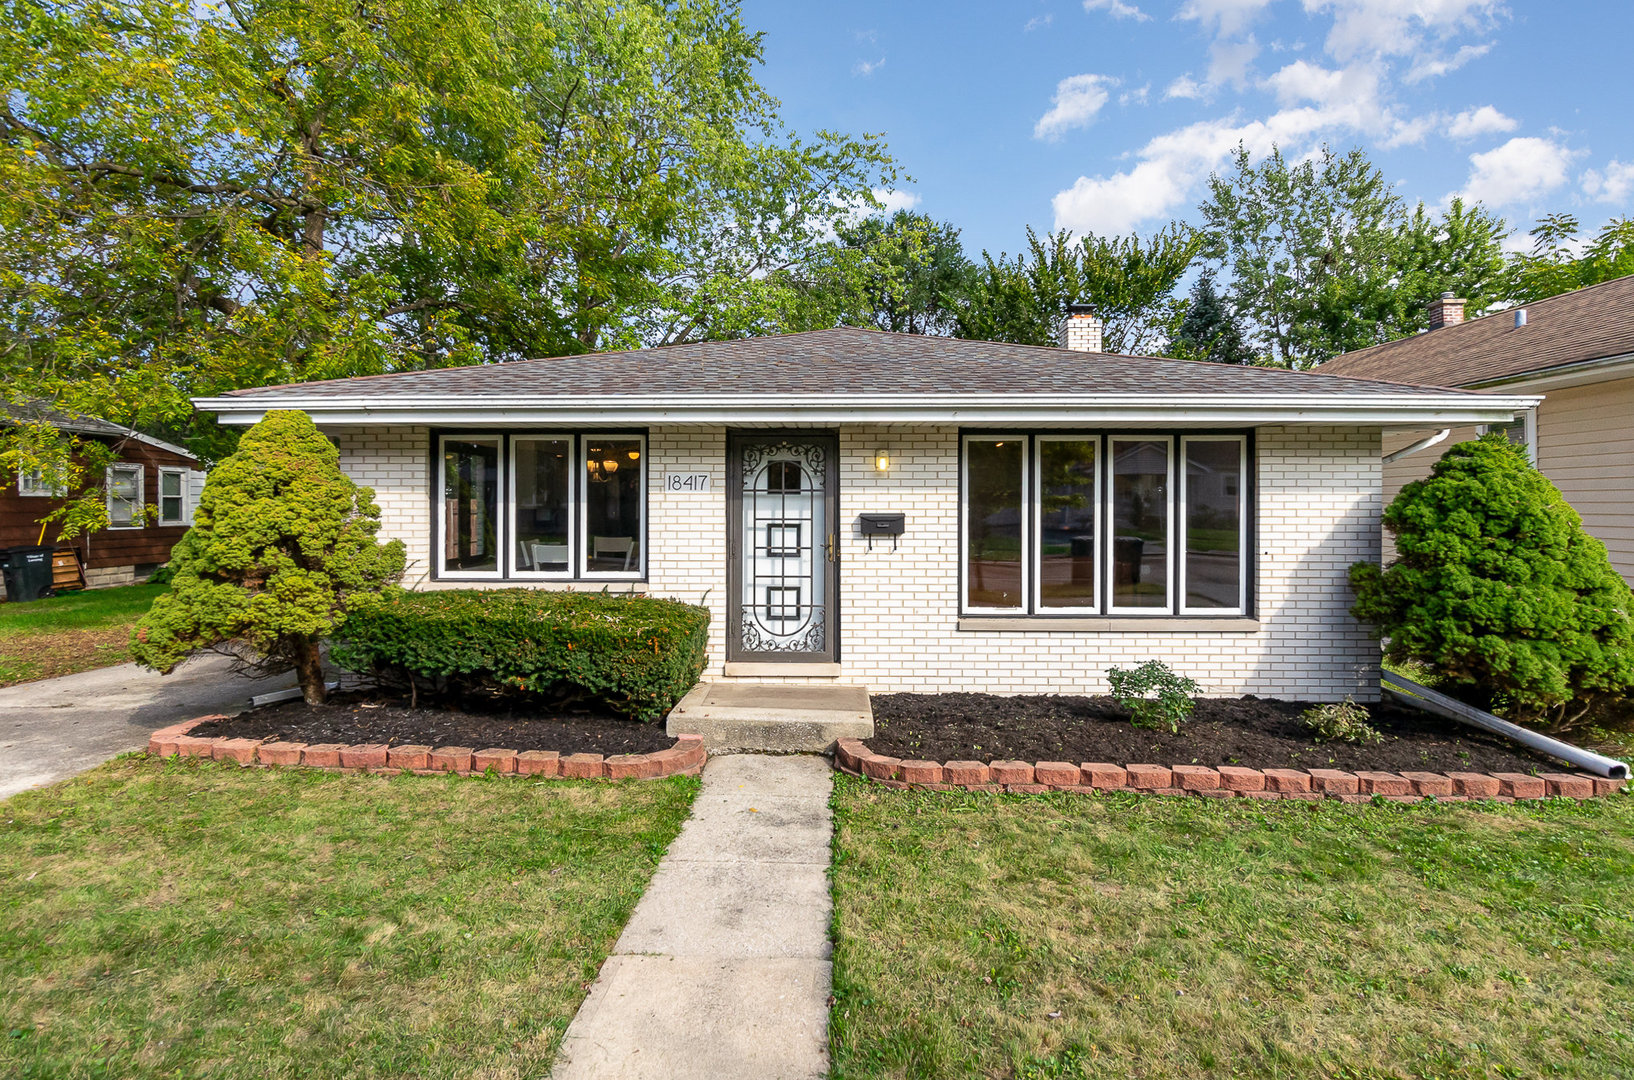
x,y
541,505
172,496
1065,524
125,507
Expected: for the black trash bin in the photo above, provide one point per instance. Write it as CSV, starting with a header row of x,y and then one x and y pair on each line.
x,y
27,572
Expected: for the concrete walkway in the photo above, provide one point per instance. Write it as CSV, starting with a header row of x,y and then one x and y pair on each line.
x,y
723,970
54,728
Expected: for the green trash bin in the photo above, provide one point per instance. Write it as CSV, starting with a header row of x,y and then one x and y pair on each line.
x,y
27,572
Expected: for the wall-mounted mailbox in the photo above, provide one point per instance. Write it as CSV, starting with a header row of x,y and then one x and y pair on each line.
x,y
872,525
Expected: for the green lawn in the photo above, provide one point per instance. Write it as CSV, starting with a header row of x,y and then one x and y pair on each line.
x,y
1129,936
185,918
73,632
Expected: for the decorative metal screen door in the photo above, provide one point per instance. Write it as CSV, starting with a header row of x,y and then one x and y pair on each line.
x,y
783,506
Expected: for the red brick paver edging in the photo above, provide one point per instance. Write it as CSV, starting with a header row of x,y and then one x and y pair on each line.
x,y
685,758
1226,782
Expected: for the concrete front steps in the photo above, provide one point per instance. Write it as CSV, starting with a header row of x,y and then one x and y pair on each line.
x,y
759,718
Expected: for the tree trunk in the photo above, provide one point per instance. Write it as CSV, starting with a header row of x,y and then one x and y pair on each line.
x,y
309,670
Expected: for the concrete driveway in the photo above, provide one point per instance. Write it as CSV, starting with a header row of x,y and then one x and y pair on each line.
x,y
54,728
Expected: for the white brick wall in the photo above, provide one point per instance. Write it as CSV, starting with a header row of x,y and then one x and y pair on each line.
x,y
1319,504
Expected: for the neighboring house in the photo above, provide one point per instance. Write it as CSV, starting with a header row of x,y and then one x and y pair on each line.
x,y
907,512
1577,351
151,489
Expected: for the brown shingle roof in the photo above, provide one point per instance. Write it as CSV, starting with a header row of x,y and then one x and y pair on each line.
x,y
1588,324
838,361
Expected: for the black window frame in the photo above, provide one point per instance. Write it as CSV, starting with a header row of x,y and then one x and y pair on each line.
x,y
579,536
1176,608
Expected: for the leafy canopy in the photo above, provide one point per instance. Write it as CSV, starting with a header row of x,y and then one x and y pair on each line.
x,y
282,545
200,197
1129,282
905,273
1323,258
1497,588
1556,264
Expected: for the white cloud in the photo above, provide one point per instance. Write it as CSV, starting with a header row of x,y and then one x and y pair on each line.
x,y
1428,67
866,68
1523,168
1037,21
1137,97
1229,61
1398,27
1077,99
891,200
1184,87
1171,166
1117,9
1486,120
1226,18
1614,184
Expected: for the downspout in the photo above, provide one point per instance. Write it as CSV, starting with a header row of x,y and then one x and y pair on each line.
x,y
1411,693
1422,444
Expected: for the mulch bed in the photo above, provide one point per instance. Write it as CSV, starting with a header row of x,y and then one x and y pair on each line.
x,y
1253,732
363,718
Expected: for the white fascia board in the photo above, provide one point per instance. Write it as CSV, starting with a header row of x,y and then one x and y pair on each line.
x,y
1072,410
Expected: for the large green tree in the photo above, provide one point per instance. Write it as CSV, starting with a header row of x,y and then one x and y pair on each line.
x,y
1559,263
906,273
1208,330
198,197
1130,283
1322,256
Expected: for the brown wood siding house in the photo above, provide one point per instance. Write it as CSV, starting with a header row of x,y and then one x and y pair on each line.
x,y
1577,350
153,486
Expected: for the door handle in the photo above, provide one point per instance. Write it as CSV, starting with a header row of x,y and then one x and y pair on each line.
x,y
828,548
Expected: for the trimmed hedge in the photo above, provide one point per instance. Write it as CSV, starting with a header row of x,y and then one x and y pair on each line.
x,y
633,654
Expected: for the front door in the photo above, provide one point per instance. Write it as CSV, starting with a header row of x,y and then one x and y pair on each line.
x,y
783,510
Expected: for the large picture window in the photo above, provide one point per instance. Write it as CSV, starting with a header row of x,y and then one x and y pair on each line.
x,y
1116,524
541,505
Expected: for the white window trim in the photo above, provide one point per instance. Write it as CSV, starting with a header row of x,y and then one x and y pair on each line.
x,y
139,507
441,495
1183,516
183,475
582,565
31,485
1168,606
512,505
1037,513
965,607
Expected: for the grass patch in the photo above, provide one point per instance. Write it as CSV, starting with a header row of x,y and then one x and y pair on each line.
x,y
187,918
73,632
1069,936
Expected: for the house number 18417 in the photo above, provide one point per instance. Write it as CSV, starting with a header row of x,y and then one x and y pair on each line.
x,y
686,481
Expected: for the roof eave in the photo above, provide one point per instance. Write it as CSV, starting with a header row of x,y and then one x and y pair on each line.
x,y
1074,409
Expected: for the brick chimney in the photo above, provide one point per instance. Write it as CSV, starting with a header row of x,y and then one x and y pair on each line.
x,y
1080,329
1446,310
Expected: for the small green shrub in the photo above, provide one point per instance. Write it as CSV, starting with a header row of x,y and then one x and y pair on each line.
x,y
632,654
1155,696
1499,591
1342,721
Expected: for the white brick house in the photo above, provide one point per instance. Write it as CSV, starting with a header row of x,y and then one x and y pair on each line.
x,y
905,512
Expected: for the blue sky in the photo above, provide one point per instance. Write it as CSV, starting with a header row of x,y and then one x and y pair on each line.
x,y
1109,115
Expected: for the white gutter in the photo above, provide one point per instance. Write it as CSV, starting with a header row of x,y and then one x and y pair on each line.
x,y
1422,444
1438,410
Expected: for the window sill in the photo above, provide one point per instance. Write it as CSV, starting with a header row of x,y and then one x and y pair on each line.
x,y
1232,624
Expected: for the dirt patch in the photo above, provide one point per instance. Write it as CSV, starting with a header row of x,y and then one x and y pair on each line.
x,y
27,657
1258,733
358,719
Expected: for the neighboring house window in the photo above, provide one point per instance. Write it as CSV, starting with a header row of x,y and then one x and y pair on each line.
x,y
541,505
32,484
125,496
173,496
1522,431
1091,524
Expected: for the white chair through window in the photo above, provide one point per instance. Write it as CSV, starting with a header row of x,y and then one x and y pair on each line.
x,y
613,546
549,556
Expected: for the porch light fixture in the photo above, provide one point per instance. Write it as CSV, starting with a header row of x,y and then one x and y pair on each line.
x,y
882,461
